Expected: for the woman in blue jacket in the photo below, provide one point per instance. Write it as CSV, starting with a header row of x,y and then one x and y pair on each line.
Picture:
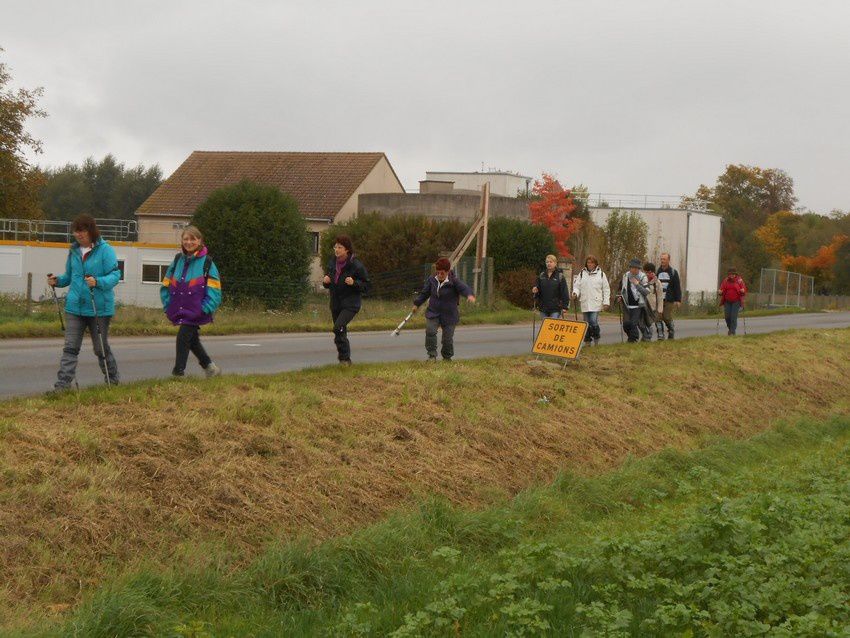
x,y
191,293
91,270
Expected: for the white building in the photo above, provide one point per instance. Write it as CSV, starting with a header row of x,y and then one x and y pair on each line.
x,y
501,182
692,238
142,267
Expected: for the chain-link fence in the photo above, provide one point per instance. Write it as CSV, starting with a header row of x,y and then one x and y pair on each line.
x,y
784,289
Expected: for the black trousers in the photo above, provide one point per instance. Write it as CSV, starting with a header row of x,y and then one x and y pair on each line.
x,y
341,320
188,339
632,321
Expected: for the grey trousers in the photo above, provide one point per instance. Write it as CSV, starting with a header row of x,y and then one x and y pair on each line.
x,y
75,328
448,349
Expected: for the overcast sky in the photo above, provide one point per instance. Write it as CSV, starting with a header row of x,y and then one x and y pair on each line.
x,y
648,96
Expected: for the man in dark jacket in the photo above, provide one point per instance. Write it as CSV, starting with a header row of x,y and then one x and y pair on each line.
x,y
669,278
443,292
347,279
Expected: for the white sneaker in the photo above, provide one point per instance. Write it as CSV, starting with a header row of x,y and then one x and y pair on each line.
x,y
212,370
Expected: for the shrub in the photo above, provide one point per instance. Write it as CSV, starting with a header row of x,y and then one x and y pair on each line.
x,y
515,286
515,244
397,250
259,242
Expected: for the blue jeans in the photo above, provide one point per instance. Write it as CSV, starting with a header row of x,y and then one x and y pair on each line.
x,y
551,315
592,319
730,313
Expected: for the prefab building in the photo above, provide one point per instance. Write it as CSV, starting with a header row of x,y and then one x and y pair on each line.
x,y
142,268
691,237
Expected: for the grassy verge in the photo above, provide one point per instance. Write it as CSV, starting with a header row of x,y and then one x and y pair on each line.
x,y
209,475
314,317
739,538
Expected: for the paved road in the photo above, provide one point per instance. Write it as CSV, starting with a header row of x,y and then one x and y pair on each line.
x,y
28,366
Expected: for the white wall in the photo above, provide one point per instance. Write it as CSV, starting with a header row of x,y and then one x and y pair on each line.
x,y
704,254
46,258
500,183
668,233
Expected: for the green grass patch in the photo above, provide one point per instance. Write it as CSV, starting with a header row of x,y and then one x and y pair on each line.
x,y
376,314
743,538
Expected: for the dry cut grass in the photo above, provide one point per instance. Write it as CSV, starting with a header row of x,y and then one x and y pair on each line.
x,y
95,483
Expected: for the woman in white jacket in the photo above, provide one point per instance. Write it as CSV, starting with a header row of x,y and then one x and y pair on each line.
x,y
591,288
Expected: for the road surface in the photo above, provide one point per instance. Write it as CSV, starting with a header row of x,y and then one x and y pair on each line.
x,y
28,366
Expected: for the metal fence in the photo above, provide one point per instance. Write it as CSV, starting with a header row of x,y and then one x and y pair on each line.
x,y
50,230
784,289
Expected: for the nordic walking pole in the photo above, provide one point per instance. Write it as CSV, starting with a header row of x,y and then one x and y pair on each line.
x,y
533,318
620,309
100,336
744,317
395,332
58,309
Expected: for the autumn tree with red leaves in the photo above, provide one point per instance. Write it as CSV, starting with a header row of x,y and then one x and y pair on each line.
x,y
821,264
552,206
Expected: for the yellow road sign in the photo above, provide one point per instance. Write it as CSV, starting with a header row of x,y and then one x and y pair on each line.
x,y
560,338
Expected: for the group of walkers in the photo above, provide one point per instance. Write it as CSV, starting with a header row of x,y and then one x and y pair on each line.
x,y
191,293
648,297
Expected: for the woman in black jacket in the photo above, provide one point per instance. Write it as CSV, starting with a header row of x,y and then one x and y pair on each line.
x,y
347,279
551,290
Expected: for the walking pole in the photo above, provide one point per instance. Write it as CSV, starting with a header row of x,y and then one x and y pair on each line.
x,y
575,309
100,336
744,317
533,318
395,332
58,309
620,309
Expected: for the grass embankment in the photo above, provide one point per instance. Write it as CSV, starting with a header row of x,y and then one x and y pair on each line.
x,y
204,475
740,538
315,316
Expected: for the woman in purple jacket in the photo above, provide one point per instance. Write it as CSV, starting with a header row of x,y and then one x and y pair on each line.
x,y
443,291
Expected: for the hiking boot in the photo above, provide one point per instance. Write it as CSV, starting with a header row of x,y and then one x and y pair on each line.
x,y
345,362
432,359
447,359
595,341
212,370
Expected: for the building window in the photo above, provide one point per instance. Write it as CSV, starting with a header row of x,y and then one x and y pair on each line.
x,y
179,225
315,237
121,269
154,273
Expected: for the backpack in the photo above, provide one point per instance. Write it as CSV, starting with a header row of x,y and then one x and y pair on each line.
x,y
207,265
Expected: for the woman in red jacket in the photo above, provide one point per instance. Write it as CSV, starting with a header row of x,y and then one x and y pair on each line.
x,y
732,292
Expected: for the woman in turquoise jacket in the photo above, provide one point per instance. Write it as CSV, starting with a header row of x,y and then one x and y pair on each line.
x,y
91,270
191,293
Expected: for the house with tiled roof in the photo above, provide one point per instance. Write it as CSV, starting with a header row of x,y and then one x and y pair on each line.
x,y
325,185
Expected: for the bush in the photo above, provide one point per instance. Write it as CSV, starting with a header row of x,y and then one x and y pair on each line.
x,y
515,286
259,242
397,250
514,244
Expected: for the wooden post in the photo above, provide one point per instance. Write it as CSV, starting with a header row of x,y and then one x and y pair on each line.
x,y
481,244
29,293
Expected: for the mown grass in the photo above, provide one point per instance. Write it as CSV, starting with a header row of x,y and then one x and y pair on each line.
x,y
207,475
376,314
740,538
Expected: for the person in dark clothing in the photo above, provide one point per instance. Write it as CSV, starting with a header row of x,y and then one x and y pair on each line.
x,y
732,292
347,279
443,291
633,292
551,290
669,278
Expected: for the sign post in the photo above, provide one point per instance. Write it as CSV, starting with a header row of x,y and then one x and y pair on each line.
x,y
560,338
